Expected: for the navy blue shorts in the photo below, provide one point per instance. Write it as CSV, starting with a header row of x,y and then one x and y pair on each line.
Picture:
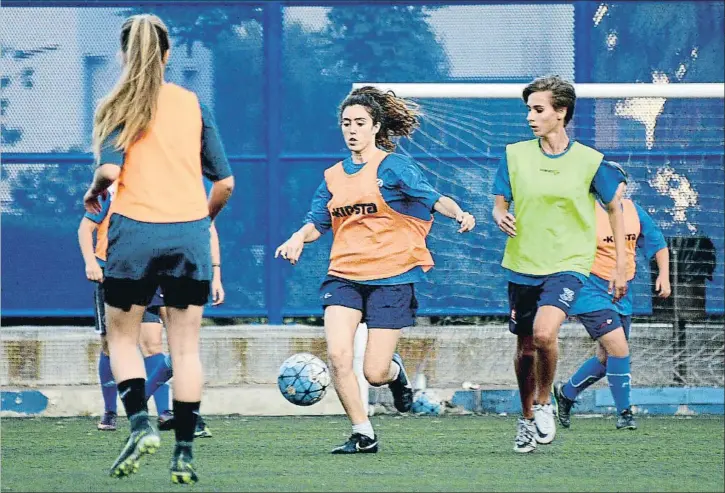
x,y
150,315
143,256
382,307
603,322
558,290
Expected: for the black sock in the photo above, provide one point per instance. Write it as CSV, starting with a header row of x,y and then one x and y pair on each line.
x,y
185,414
132,393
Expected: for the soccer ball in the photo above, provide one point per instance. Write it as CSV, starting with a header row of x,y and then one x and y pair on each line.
x,y
427,402
303,379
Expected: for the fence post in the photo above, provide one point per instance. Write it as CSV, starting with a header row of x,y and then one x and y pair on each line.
x,y
584,68
272,37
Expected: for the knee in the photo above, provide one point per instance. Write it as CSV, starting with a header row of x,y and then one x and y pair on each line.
x,y
524,352
524,348
341,362
149,348
544,336
377,376
602,355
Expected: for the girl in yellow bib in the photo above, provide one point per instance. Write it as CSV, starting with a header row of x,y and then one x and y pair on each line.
x,y
552,182
379,207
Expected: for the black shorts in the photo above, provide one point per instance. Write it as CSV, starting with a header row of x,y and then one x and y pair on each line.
x,y
151,315
178,292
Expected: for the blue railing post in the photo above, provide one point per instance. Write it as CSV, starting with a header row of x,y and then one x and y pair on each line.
x,y
274,285
584,68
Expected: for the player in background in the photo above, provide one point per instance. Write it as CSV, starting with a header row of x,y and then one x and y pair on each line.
x,y
553,182
157,141
608,322
150,340
157,364
379,206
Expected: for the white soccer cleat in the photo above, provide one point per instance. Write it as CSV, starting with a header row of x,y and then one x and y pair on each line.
x,y
525,440
545,420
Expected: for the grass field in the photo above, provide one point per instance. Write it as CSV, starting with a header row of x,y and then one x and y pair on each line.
x,y
462,453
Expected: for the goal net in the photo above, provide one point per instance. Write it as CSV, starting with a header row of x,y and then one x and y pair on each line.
x,y
668,137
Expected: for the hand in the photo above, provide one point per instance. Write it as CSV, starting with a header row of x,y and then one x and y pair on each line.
x,y
618,284
467,222
94,272
217,291
91,202
662,286
506,222
292,248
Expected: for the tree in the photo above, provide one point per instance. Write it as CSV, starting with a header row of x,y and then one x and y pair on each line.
x,y
384,43
682,40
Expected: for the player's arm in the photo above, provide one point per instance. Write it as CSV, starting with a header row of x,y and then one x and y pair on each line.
x,y
652,242
108,170
214,164
450,208
103,177
411,181
502,198
85,241
608,184
662,283
217,289
317,221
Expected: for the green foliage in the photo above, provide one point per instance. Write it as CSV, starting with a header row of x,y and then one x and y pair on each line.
x,y
660,37
191,23
384,43
47,194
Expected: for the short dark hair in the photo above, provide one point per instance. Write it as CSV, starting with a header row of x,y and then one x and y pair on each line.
x,y
562,93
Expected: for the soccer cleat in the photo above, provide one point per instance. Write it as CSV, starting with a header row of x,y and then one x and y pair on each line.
x,y
401,388
525,440
201,430
563,405
358,444
142,442
108,422
545,423
182,466
625,421
166,420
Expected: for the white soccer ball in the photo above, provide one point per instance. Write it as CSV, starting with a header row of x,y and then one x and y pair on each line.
x,y
303,379
426,402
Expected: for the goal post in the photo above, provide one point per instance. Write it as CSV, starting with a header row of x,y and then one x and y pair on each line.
x,y
586,90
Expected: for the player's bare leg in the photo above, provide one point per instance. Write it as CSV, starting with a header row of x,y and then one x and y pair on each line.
x,y
340,326
546,332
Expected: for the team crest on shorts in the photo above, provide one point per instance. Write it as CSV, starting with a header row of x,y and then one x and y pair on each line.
x,y
566,296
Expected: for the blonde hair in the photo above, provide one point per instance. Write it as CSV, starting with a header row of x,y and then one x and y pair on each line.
x,y
131,104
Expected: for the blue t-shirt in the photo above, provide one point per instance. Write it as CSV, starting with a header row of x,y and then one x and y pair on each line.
x,y
594,296
604,186
403,187
214,162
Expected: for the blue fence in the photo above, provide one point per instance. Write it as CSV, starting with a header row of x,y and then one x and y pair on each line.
x,y
274,74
